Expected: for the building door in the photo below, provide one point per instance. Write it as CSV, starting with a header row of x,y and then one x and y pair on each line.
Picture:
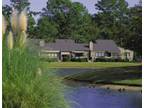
x,y
65,56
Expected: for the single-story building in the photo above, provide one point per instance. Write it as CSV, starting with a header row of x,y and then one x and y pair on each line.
x,y
63,49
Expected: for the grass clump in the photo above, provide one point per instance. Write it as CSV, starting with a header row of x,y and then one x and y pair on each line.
x,y
25,83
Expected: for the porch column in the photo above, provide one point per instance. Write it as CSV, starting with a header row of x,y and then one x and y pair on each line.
x,y
60,57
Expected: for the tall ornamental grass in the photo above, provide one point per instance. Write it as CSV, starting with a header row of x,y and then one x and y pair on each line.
x,y
25,83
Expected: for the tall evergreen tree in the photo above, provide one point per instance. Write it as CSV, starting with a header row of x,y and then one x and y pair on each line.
x,y
118,22
72,19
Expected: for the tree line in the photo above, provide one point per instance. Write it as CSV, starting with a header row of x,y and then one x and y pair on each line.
x,y
63,19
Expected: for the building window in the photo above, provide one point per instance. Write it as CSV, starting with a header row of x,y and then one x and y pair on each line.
x,y
52,55
102,54
107,54
97,54
55,55
79,54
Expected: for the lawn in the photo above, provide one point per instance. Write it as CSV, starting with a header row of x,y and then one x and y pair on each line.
x,y
116,75
88,64
130,82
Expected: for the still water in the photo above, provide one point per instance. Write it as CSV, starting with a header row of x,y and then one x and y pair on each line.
x,y
84,97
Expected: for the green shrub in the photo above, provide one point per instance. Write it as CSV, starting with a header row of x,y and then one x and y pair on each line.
x,y
79,59
107,60
48,59
66,59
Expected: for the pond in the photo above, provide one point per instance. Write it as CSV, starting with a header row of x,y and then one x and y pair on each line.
x,y
82,96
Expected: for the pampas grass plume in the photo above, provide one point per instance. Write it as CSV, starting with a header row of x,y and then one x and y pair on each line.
x,y
14,20
10,41
23,21
4,25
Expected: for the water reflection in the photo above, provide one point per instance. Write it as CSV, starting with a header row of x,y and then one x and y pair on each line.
x,y
84,97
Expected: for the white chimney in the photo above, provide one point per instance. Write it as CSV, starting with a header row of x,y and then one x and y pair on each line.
x,y
91,45
42,43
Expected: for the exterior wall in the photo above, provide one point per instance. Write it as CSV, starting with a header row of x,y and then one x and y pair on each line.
x,y
126,54
49,54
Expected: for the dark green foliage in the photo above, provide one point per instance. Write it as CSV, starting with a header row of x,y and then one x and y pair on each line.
x,y
31,25
47,29
122,24
46,59
66,59
107,60
79,60
134,40
20,4
67,20
6,10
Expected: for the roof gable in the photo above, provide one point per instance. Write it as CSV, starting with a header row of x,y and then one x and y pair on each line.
x,y
105,45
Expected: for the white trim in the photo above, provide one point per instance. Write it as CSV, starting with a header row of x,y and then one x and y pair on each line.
x,y
54,51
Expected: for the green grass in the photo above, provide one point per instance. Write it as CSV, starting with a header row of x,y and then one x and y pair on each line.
x,y
88,64
121,75
130,82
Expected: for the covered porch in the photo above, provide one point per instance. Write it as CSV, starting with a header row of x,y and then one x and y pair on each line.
x,y
68,55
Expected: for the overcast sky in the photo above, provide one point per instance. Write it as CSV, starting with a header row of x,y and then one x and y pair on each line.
x,y
37,5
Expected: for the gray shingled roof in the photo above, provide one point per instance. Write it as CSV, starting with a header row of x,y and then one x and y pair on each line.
x,y
66,45
106,45
70,45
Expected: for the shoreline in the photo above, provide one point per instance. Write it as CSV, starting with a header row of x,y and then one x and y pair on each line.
x,y
90,65
108,86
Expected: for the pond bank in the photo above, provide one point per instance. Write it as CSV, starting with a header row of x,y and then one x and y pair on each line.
x,y
117,87
92,65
